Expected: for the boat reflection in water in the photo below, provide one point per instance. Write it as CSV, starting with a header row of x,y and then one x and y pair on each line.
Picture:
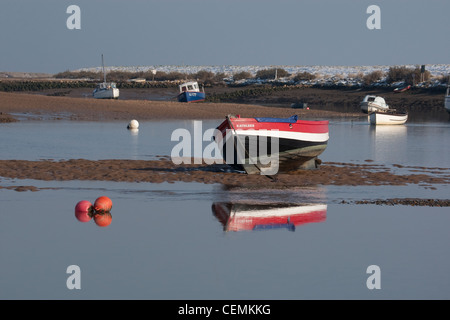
x,y
241,216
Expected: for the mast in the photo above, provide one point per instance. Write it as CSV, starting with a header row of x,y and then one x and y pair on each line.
x,y
103,67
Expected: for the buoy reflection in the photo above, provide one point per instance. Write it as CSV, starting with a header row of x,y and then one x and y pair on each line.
x,y
103,219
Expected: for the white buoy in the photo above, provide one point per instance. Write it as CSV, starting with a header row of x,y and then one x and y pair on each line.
x,y
134,124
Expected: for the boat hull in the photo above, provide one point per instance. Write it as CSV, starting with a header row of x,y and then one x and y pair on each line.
x,y
112,93
402,89
191,97
447,104
272,147
368,107
381,118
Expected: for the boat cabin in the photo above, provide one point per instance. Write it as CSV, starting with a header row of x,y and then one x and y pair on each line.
x,y
375,99
379,101
191,86
106,85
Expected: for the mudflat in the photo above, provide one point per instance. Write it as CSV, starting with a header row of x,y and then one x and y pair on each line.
x,y
164,170
38,106
89,109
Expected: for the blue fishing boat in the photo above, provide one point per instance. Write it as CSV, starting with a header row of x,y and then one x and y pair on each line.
x,y
190,92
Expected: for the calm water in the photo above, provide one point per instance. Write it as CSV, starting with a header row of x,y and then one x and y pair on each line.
x,y
169,240
412,144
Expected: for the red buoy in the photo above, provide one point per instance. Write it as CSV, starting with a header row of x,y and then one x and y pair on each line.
x,y
84,211
102,204
103,219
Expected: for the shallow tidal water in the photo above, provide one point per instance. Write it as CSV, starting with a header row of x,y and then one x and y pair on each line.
x,y
171,240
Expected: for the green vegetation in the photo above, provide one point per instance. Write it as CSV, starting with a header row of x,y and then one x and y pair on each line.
x,y
270,73
372,77
9,86
302,76
410,76
206,77
243,75
79,75
240,95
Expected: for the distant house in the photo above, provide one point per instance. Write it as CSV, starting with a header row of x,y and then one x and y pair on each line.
x,y
137,80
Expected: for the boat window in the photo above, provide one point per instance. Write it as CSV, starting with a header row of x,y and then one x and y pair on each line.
x,y
371,99
183,89
190,87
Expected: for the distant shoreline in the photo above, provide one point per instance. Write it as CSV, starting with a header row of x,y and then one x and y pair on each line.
x,y
436,69
160,103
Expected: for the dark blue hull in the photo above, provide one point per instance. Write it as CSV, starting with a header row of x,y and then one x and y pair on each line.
x,y
191,97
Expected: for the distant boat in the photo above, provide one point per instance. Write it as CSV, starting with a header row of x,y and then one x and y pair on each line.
x,y
373,103
298,143
252,217
388,117
106,90
190,92
402,89
447,99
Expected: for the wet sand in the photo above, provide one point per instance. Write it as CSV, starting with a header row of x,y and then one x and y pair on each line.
x,y
39,107
164,170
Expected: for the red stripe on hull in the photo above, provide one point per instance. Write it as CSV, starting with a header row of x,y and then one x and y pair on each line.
x,y
244,221
299,126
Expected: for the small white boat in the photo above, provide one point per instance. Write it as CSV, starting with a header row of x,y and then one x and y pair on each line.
x,y
373,104
388,117
447,99
106,90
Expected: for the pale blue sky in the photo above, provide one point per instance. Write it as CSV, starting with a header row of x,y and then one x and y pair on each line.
x,y
34,36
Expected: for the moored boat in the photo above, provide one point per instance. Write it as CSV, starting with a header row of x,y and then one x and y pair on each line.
x,y
272,145
106,90
388,117
402,89
190,92
373,103
250,216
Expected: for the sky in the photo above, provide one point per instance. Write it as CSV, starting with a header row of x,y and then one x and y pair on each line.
x,y
34,35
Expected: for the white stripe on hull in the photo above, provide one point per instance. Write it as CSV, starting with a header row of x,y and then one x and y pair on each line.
x,y
303,136
281,211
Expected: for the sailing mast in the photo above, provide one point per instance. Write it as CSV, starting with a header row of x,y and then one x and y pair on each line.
x,y
104,73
